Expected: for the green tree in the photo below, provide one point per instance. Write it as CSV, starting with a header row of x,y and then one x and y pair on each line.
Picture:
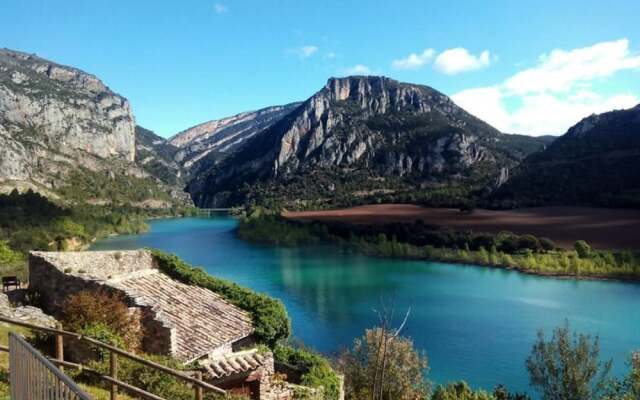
x,y
583,249
405,368
459,391
629,388
567,366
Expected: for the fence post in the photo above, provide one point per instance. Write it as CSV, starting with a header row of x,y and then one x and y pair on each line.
x,y
198,388
60,348
113,358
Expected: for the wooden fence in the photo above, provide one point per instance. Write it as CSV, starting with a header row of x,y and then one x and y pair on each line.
x,y
193,378
34,377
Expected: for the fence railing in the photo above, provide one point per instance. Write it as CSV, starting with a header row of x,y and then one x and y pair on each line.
x,y
193,378
32,376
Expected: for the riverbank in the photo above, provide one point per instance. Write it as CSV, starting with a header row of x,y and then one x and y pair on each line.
x,y
602,228
29,221
523,253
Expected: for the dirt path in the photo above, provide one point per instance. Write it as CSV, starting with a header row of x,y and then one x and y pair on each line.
x,y
603,228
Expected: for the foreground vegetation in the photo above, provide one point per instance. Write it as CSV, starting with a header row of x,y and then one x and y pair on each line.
x,y
29,221
382,365
525,253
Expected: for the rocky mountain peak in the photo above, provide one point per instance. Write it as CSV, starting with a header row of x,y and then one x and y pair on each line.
x,y
379,94
391,135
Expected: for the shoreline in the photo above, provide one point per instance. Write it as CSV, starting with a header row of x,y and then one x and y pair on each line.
x,y
597,265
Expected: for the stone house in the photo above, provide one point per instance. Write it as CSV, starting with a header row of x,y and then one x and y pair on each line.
x,y
190,323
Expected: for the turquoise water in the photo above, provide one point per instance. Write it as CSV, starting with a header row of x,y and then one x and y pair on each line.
x,y
474,323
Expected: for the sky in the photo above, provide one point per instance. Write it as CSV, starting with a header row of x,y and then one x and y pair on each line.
x,y
534,67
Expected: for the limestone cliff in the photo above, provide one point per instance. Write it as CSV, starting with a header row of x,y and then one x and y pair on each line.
x,y
62,130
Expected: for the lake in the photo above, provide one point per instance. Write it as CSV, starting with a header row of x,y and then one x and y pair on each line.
x,y
475,323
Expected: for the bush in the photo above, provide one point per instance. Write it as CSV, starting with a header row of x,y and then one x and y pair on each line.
x,y
405,368
100,310
567,366
316,370
459,391
154,381
583,249
270,318
103,333
547,244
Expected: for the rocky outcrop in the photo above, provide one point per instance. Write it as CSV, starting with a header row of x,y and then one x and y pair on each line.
x,y
207,141
60,126
63,107
375,126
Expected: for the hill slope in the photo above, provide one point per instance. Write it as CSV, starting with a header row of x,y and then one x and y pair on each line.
x,y
362,135
596,162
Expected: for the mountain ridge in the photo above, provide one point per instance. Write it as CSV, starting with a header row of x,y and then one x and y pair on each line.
x,y
596,162
378,126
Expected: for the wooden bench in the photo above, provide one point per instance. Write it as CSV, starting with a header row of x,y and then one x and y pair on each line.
x,y
8,281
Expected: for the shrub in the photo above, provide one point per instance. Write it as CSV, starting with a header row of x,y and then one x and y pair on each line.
x,y
270,319
154,381
529,242
405,368
93,309
317,371
103,333
583,249
459,391
567,366
547,244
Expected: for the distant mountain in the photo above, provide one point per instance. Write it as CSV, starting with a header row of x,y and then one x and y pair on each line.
x,y
157,156
597,162
360,135
211,141
65,134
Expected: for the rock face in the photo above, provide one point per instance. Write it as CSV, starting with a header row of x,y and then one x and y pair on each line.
x,y
597,162
211,140
60,127
70,109
364,130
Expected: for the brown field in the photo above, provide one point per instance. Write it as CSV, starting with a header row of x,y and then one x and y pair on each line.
x,y
603,228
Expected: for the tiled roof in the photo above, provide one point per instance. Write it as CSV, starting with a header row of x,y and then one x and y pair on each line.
x,y
202,320
233,363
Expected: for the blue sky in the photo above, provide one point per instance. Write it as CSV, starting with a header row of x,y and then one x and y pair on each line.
x,y
529,68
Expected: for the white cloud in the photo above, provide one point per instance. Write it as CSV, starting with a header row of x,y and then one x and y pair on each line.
x,y
330,55
454,61
306,51
538,114
414,61
358,69
561,70
556,93
220,8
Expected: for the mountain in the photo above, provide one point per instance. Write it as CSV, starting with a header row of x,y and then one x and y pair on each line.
x,y
157,155
65,134
361,135
211,141
597,162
